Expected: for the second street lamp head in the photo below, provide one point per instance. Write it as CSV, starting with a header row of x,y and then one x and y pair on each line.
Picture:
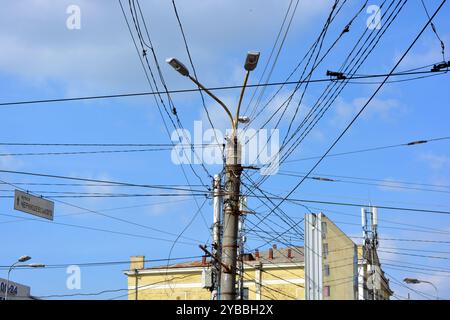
x,y
244,119
251,61
37,265
24,258
411,280
178,66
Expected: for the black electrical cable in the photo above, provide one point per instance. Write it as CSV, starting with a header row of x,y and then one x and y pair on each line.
x,y
364,107
137,94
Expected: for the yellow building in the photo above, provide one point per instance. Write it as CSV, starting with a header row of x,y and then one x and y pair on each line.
x,y
274,274
339,263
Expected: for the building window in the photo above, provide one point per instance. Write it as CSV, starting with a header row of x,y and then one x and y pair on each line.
x,y
326,291
324,230
326,269
245,294
325,250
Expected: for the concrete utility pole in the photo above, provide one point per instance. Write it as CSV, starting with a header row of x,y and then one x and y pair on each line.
x,y
233,170
216,245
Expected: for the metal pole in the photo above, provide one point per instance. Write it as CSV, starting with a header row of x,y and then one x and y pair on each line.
x,y
233,171
217,205
136,272
435,288
373,271
7,279
242,239
374,242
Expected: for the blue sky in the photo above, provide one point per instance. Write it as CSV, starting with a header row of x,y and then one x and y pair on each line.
x,y
41,59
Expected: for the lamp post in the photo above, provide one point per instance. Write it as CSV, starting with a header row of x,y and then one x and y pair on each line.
x,y
233,171
16,264
417,281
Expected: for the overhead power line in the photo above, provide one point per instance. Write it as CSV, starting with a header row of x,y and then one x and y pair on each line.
x,y
105,263
362,109
193,69
111,290
203,192
99,181
408,144
92,184
150,93
361,205
301,174
414,255
169,147
153,83
313,115
65,153
408,240
40,144
90,228
98,213
389,184
433,27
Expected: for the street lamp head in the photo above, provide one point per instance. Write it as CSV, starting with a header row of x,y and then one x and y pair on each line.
x,y
251,61
244,119
411,280
24,258
178,66
37,265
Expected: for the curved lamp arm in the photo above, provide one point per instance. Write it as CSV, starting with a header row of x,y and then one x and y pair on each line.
x,y
7,279
217,99
432,284
240,99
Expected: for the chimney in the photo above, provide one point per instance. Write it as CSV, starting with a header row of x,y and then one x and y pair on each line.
x,y
274,247
137,262
289,253
203,260
257,254
270,253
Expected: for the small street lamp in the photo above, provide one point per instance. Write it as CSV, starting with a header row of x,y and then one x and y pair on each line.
x,y
23,259
418,281
16,265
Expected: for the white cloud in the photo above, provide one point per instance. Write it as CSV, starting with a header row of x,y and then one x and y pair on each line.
x,y
386,110
440,180
427,52
389,254
218,116
383,109
10,162
389,184
172,207
101,56
343,111
100,189
436,162
94,188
